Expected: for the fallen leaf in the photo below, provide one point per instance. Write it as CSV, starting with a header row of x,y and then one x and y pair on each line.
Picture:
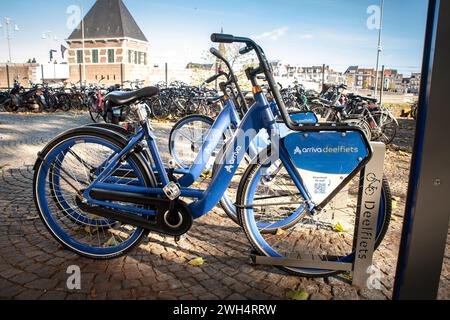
x,y
206,174
347,276
394,204
90,230
403,153
280,232
197,262
339,228
112,242
300,294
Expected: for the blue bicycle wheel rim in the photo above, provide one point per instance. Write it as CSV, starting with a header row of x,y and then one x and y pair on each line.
x,y
78,217
172,141
48,217
263,246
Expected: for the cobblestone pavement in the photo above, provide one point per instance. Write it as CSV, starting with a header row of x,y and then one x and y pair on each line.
x,y
33,265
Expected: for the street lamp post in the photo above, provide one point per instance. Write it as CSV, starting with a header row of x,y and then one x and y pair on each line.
x,y
379,48
9,27
49,36
83,38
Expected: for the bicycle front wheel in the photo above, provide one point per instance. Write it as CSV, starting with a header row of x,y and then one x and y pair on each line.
x,y
326,235
187,138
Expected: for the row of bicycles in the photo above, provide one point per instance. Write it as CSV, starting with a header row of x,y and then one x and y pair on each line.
x,y
65,96
173,101
43,98
333,104
180,99
290,182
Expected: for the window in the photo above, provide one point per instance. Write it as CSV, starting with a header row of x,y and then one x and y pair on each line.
x,y
79,56
95,56
111,56
136,54
142,58
145,58
131,57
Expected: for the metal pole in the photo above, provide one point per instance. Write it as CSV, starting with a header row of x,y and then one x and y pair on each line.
x,y
217,70
81,77
382,84
121,74
379,49
323,75
7,77
167,74
427,214
8,36
42,73
82,37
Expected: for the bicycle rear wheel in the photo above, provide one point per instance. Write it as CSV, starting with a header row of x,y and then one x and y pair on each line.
x,y
387,127
67,166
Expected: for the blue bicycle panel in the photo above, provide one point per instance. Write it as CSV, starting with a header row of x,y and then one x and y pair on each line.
x,y
262,140
325,159
306,117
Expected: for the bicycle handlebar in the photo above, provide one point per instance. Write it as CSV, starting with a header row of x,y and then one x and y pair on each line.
x,y
231,76
245,50
224,38
266,69
215,77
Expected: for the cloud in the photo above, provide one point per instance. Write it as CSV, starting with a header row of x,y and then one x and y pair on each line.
x,y
307,36
273,35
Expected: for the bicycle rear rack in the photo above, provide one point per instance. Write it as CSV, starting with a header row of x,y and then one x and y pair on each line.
x,y
365,228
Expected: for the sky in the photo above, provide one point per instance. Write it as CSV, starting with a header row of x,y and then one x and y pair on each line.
x,y
304,32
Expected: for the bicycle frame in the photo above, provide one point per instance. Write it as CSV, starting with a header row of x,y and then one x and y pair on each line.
x,y
259,117
227,117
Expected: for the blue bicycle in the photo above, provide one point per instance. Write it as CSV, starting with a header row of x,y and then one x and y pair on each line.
x,y
311,172
191,139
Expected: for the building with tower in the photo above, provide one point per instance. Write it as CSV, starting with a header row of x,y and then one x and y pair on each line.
x,y
108,44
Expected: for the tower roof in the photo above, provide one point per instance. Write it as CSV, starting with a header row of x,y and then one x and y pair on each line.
x,y
108,19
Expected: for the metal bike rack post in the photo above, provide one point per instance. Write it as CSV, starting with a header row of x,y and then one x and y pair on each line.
x,y
370,195
427,214
365,227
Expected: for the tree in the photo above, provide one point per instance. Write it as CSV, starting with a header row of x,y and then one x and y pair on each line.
x,y
237,61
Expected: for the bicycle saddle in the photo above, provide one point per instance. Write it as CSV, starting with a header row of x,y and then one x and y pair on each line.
x,y
119,98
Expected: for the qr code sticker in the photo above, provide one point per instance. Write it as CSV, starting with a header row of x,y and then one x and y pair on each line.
x,y
320,188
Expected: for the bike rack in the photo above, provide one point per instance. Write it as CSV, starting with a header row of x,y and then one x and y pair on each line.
x,y
365,228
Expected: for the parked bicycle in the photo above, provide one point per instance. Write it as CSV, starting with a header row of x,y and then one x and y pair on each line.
x,y
98,195
20,98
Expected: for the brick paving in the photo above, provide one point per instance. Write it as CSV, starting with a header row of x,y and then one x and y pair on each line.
x,y
33,265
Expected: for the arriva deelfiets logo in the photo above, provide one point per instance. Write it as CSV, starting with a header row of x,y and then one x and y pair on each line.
x,y
232,162
340,149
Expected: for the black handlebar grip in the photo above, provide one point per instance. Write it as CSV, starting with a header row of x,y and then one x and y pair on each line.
x,y
213,78
216,53
245,50
223,38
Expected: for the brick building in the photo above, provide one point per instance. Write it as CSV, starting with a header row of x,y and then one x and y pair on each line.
x,y
364,78
115,48
22,72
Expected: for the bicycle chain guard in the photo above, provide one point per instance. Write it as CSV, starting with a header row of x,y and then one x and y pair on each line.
x,y
173,218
